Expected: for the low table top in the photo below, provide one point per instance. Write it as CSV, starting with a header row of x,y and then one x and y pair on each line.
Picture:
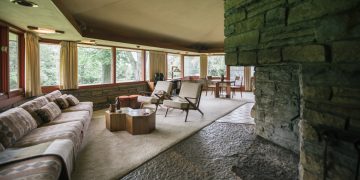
x,y
134,112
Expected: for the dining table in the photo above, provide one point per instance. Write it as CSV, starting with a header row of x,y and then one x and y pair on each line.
x,y
222,83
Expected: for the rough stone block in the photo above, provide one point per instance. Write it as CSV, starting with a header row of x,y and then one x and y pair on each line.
x,y
252,23
309,53
268,56
229,30
247,58
231,59
248,40
275,16
239,15
346,51
262,76
317,8
263,6
319,93
349,96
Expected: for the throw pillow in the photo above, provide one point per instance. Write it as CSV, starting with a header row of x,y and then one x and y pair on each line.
x,y
73,101
62,102
14,124
49,112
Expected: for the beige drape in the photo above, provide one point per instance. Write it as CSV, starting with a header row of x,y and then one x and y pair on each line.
x,y
68,65
32,65
157,64
203,65
247,78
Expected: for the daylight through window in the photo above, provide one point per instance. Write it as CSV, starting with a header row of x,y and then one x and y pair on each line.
x,y
49,64
191,65
14,61
94,65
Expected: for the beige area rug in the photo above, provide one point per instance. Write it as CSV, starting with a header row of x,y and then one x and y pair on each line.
x,y
111,155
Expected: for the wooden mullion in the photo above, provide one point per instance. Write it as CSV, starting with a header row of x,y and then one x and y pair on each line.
x,y
4,63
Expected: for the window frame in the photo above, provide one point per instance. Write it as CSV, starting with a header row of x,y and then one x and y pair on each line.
x,y
142,60
5,92
207,68
180,65
54,42
183,65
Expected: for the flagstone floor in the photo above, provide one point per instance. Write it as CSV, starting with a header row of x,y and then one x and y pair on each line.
x,y
226,149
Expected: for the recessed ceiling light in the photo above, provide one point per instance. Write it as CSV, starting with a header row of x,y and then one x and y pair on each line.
x,y
24,3
45,30
88,42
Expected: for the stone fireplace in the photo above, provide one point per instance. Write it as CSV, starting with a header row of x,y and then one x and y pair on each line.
x,y
307,58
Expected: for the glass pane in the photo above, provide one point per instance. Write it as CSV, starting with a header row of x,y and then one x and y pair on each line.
x,y
237,71
94,65
173,64
128,65
14,61
147,66
49,64
191,65
216,65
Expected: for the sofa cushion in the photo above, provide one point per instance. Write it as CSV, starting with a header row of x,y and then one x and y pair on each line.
x,y
49,112
34,105
82,106
40,168
14,124
81,116
72,100
69,130
53,95
62,102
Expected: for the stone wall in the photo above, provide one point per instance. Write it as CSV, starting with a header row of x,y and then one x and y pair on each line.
x,y
320,38
103,96
278,104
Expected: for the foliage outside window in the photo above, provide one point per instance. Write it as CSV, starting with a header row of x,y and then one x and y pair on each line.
x,y
236,71
191,65
128,65
94,65
173,61
49,64
216,65
13,61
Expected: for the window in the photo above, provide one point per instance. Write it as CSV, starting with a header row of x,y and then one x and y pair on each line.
x,y
49,64
191,65
236,71
147,66
216,65
128,65
173,66
94,65
13,61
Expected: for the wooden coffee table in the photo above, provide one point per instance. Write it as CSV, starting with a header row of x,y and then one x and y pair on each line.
x,y
135,121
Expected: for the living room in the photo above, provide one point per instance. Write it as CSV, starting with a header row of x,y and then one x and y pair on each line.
x,y
189,89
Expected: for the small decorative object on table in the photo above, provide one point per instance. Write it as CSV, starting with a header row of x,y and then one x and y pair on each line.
x,y
117,103
112,108
222,77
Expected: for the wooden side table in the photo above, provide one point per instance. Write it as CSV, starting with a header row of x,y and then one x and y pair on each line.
x,y
140,121
116,121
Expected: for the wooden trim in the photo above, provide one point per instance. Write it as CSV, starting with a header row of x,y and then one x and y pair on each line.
x,y
109,85
50,41
9,101
48,89
228,72
114,64
22,61
13,28
4,63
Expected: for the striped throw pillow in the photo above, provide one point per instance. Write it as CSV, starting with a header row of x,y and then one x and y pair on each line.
x,y
49,112
72,100
62,102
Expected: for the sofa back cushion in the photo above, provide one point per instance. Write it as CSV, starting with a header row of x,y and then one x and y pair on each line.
x,y
73,101
53,95
14,124
62,102
49,112
34,105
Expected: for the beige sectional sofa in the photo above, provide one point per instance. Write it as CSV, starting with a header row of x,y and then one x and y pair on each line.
x,y
27,145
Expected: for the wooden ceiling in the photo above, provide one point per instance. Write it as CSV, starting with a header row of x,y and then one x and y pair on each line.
x,y
187,25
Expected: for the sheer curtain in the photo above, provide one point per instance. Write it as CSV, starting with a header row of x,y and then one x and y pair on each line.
x,y
203,65
157,64
32,65
68,65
